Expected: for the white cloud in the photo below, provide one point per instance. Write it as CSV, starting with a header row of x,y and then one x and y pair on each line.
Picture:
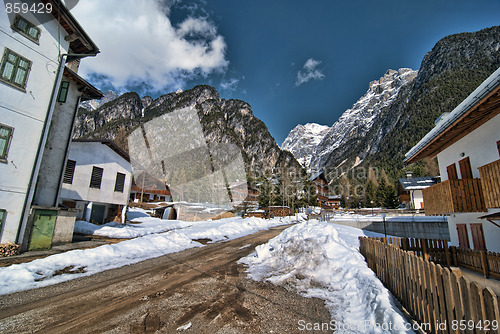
x,y
139,44
309,72
230,85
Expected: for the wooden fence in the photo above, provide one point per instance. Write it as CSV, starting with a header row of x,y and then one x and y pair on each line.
x,y
437,251
432,294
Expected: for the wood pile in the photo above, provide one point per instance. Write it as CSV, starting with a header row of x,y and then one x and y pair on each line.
x,y
9,249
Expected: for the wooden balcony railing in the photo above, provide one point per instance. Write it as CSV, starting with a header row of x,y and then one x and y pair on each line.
x,y
490,181
462,195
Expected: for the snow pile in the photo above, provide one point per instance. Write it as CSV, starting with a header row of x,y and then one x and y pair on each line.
x,y
311,258
84,262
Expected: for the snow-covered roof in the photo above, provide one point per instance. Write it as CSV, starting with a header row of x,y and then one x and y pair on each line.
x,y
449,121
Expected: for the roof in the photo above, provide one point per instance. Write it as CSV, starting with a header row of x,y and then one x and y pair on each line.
x,y
315,176
111,144
479,107
416,183
78,39
88,91
495,215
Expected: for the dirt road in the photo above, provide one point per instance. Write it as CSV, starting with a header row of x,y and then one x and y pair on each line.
x,y
202,288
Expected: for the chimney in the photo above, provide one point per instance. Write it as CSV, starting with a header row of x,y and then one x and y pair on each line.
x,y
409,174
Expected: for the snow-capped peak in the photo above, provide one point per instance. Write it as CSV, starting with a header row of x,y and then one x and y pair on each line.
x,y
302,140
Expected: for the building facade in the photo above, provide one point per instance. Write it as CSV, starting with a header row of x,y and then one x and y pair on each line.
x,y
97,180
35,48
467,145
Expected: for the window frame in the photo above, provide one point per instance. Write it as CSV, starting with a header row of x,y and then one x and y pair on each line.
x,y
120,186
11,80
8,140
63,92
25,31
3,215
66,178
97,173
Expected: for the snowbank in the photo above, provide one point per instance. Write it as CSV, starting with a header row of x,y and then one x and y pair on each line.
x,y
152,242
314,260
83,262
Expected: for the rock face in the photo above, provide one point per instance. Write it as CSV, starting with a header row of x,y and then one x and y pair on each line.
x,y
222,121
400,108
302,141
355,123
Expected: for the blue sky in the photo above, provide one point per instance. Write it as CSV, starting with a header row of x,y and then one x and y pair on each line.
x,y
293,61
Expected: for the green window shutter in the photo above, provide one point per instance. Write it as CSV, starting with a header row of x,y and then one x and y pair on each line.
x,y
5,136
120,182
63,92
3,213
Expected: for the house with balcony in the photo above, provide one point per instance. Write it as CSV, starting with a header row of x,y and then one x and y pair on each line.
x,y
39,94
466,143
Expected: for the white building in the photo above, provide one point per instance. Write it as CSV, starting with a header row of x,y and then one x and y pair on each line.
x,y
467,145
97,180
35,123
411,190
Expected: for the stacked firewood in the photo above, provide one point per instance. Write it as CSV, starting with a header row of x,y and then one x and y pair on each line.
x,y
9,249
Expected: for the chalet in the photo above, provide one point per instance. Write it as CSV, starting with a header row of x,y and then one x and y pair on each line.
x,y
467,145
411,188
325,200
97,180
40,91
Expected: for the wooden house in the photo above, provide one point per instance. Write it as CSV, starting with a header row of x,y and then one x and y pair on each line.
x,y
467,145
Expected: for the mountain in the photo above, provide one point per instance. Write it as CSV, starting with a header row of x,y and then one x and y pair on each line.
x,y
94,104
302,140
400,108
221,121
354,124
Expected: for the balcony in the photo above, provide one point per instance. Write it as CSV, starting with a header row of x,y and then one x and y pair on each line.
x,y
450,196
490,180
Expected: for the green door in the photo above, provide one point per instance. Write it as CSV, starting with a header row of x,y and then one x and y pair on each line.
x,y
44,222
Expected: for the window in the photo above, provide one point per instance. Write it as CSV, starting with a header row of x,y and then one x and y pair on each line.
x,y
477,236
498,147
5,137
120,182
63,92
14,69
3,213
96,178
26,28
69,172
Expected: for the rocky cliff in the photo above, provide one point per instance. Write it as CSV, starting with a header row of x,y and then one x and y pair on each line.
x,y
222,121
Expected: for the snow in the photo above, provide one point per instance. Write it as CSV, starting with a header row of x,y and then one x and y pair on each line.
x,y
322,260
313,258
150,241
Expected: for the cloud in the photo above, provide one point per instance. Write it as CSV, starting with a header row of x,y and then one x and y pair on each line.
x,y
230,85
140,46
309,72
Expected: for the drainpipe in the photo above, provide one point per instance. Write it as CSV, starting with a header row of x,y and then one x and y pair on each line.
x,y
22,231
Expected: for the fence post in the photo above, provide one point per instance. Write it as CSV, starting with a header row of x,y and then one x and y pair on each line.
x,y
484,262
454,252
425,252
447,253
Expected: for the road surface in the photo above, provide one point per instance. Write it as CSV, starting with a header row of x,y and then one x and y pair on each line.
x,y
200,290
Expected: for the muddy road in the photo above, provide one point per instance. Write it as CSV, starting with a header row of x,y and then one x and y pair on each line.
x,y
200,290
